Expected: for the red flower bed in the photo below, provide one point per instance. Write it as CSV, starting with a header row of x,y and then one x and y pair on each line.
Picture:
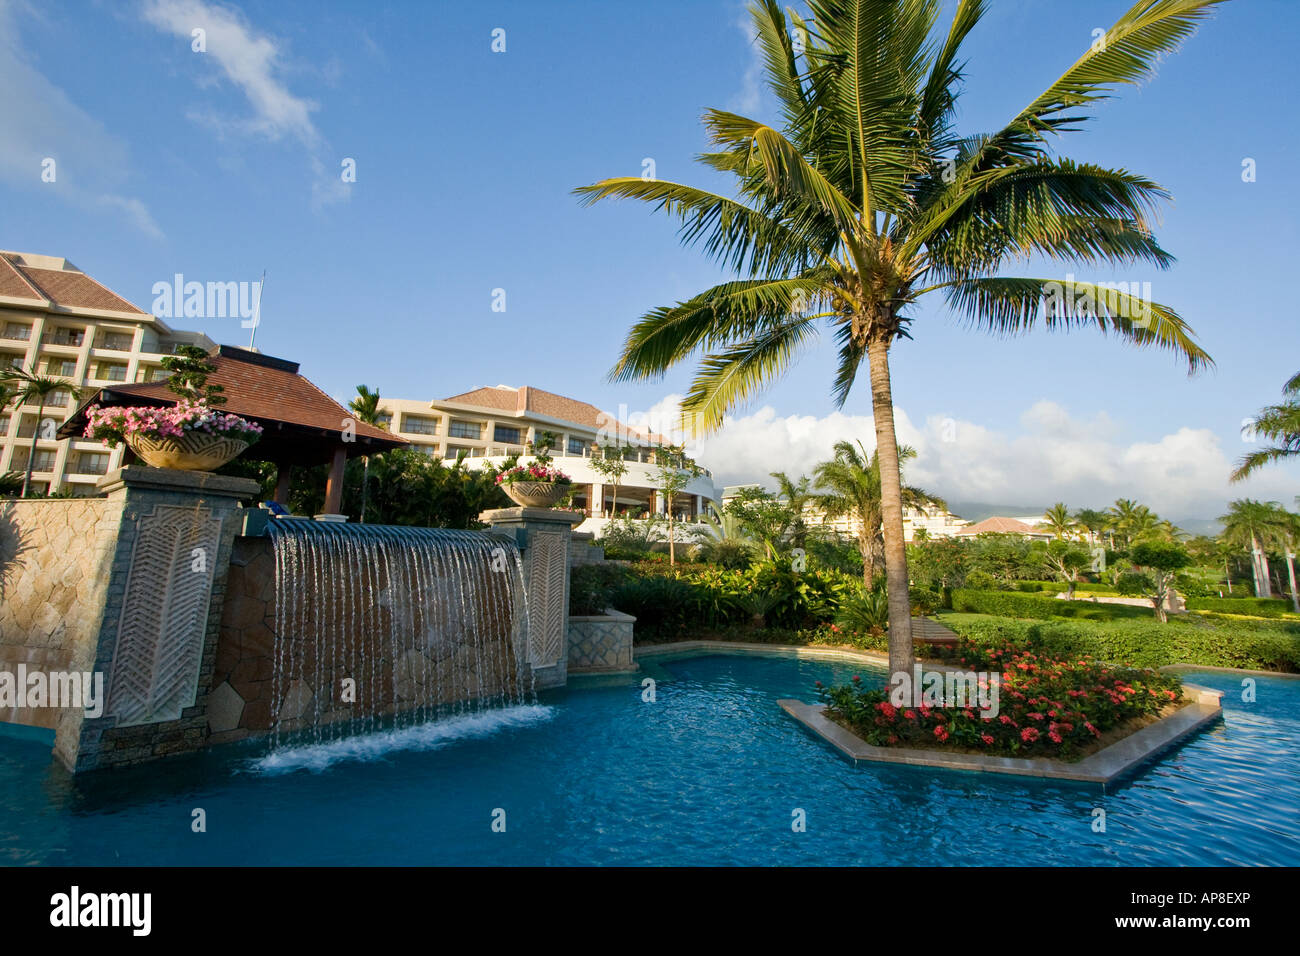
x,y
1047,706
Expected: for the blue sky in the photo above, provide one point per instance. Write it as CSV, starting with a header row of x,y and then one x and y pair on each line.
x,y
221,164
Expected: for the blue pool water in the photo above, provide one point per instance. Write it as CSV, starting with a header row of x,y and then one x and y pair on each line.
x,y
710,773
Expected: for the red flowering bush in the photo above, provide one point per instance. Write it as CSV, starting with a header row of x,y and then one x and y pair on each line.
x,y
1047,705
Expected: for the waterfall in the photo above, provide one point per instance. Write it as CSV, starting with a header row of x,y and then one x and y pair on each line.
x,y
382,626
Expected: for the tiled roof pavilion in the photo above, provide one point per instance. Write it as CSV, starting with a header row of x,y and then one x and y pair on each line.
x,y
301,424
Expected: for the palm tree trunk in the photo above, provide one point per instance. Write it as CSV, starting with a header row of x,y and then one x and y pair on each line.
x,y
1262,575
31,450
365,485
868,559
1290,573
891,508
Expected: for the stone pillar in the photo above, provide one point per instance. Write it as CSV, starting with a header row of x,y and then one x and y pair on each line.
x,y
158,616
597,500
542,535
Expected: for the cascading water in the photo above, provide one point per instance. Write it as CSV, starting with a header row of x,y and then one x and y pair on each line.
x,y
381,627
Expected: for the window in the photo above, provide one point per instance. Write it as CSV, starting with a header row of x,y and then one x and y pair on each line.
x,y
577,446
15,330
419,425
465,430
383,420
64,367
117,341
4,424
454,450
504,433
11,360
111,372
44,460
57,399
92,463
66,336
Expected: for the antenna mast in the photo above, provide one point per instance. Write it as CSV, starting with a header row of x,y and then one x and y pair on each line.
x,y
257,311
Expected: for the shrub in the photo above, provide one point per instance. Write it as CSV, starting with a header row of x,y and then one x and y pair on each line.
x,y
728,553
982,581
591,587
864,613
659,604
1223,643
924,601
1259,607
1012,604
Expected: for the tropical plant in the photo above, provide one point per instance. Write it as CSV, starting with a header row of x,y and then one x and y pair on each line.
x,y
850,485
674,473
725,542
1095,523
1160,561
366,407
1058,520
795,495
1067,561
866,200
1256,526
865,613
611,464
28,387
1279,424
189,367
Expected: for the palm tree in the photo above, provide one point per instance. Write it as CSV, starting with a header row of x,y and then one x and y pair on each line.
x,y
1057,519
1092,521
867,199
28,387
1281,425
1256,525
851,485
366,408
1132,522
795,495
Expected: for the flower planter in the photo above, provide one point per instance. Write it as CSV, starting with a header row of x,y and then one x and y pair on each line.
x,y
536,494
193,451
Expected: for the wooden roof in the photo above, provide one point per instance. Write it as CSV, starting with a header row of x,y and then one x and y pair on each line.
x,y
302,425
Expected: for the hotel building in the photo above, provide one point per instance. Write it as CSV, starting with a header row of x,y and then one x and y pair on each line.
x,y
488,424
59,322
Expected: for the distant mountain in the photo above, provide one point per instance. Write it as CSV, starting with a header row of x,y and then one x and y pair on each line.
x,y
976,511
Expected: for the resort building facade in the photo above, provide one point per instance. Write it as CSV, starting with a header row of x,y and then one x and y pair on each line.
x,y
487,425
57,321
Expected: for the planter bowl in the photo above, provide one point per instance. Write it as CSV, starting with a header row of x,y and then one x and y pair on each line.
x,y
536,494
193,451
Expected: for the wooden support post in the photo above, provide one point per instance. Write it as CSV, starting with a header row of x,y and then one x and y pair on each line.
x,y
284,475
334,486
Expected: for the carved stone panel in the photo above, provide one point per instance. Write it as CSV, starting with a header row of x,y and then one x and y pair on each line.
x,y
547,614
164,615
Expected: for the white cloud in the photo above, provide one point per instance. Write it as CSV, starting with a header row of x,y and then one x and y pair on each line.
x,y
251,61
748,99
41,122
256,64
1052,456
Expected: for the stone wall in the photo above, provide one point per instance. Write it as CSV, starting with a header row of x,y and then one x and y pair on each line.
x,y
55,556
601,643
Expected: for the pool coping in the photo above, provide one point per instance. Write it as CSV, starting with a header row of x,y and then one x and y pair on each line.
x,y
1103,766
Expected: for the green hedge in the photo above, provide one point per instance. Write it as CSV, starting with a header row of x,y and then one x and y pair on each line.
x,y
1014,604
1259,607
1255,645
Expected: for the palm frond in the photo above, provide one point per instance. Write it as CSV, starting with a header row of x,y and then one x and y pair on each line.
x,y
1013,306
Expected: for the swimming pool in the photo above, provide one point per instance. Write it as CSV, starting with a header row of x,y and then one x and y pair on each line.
x,y
711,772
